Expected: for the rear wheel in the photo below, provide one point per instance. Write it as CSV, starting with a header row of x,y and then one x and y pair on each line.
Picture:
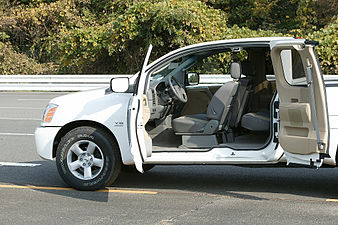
x,y
88,158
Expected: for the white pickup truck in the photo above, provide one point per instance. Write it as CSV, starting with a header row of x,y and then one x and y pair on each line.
x,y
163,115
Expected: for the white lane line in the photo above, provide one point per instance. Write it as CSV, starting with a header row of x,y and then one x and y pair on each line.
x,y
19,164
13,118
16,134
33,99
5,107
10,118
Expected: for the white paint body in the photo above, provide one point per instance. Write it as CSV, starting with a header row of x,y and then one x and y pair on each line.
x,y
92,105
111,111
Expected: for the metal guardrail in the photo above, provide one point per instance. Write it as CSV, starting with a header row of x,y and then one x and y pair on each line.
x,y
54,82
86,82
74,82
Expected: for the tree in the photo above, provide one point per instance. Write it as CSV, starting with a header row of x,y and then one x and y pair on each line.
x,y
105,36
121,42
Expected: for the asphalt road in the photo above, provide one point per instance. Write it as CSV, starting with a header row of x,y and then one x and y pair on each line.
x,y
164,195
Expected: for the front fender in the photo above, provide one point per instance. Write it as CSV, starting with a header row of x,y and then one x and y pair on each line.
x,y
96,106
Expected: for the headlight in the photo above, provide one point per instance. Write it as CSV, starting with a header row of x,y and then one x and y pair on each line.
x,y
49,113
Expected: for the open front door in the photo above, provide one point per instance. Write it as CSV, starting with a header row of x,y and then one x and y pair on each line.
x,y
304,128
138,115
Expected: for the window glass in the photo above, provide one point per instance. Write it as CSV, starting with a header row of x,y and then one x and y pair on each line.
x,y
293,67
218,63
214,64
208,65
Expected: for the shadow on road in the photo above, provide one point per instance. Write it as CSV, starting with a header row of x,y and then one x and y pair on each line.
x,y
233,181
45,175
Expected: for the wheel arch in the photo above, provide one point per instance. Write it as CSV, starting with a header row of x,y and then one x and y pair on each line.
x,y
70,126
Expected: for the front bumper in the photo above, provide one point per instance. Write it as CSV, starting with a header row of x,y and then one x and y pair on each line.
x,y
44,139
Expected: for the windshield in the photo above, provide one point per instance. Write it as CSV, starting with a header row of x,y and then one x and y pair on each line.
x,y
177,66
162,72
167,69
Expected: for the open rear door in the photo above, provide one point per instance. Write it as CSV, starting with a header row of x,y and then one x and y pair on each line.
x,y
138,115
304,128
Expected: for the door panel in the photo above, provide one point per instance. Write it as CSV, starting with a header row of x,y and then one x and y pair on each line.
x,y
134,133
145,119
140,142
303,109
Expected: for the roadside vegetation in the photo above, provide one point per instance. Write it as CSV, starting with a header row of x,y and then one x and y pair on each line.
x,y
106,36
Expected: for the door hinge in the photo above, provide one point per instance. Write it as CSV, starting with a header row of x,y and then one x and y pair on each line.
x,y
275,130
324,155
275,106
320,145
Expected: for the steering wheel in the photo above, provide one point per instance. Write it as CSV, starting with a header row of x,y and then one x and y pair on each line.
x,y
177,89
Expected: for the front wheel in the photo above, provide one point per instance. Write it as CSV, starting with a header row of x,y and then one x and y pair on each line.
x,y
88,159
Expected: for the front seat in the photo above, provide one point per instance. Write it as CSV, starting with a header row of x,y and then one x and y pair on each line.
x,y
218,112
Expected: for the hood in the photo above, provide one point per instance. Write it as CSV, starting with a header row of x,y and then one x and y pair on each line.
x,y
81,96
95,105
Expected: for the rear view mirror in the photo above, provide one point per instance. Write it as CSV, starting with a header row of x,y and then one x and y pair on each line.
x,y
119,84
193,78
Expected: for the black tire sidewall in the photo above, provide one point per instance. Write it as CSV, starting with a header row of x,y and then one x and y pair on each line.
x,y
109,148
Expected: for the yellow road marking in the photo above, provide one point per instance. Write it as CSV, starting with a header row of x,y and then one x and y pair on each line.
x,y
332,200
71,189
128,191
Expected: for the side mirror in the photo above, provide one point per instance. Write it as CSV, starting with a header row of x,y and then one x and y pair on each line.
x,y
193,78
119,84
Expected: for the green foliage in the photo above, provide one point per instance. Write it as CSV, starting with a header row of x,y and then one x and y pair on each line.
x,y
278,15
327,50
166,24
108,36
33,2
315,14
82,50
29,27
12,62
3,36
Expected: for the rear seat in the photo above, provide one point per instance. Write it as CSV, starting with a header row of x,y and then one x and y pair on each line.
x,y
258,121
240,101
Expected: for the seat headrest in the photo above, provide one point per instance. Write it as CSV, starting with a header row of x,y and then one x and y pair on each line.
x,y
247,68
236,70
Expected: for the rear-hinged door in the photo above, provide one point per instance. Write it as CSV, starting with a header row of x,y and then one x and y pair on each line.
x,y
304,128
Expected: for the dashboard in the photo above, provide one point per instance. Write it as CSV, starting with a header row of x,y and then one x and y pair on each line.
x,y
159,99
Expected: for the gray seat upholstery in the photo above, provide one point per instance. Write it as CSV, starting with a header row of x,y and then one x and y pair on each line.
x,y
240,101
218,109
258,121
190,123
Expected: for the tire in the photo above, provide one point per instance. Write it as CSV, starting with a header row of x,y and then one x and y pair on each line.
x,y
88,159
132,169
